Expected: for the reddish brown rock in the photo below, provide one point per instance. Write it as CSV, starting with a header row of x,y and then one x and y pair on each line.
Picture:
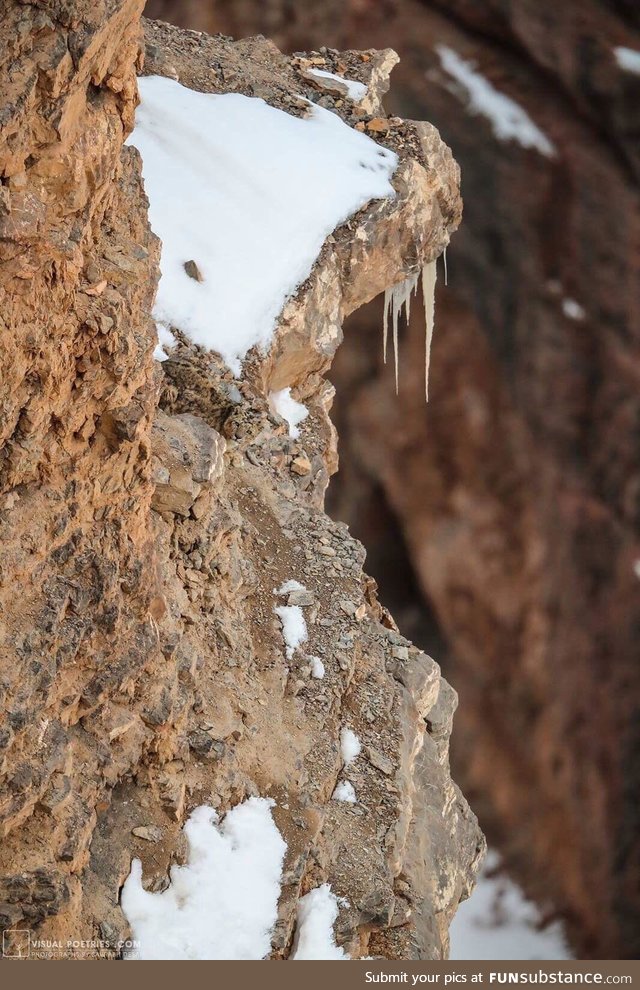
x,y
516,490
142,666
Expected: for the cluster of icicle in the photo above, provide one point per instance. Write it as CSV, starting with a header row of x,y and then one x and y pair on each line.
x,y
399,297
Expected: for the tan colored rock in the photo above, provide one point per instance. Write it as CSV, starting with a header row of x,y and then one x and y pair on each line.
x,y
333,85
379,761
301,465
302,598
150,833
187,454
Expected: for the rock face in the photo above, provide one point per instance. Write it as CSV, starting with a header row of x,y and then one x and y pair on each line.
x,y
516,491
149,513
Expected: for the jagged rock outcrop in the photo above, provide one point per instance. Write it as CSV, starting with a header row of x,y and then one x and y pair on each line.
x,y
148,513
515,493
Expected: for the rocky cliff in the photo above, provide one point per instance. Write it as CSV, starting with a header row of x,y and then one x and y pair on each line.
x,y
514,495
149,513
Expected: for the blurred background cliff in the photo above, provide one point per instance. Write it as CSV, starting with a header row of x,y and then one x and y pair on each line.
x,y
502,521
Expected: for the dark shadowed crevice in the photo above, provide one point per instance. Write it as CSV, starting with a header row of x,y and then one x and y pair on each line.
x,y
377,528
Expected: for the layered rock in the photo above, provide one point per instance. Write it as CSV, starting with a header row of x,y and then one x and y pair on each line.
x,y
149,513
515,493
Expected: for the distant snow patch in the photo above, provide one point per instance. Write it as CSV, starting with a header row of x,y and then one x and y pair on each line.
x,y
350,746
241,192
345,792
628,59
498,922
573,310
291,411
223,903
636,568
294,627
509,121
317,913
355,91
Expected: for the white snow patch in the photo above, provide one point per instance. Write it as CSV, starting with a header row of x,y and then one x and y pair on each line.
x,y
498,922
159,354
294,627
573,310
350,746
356,91
165,339
628,59
509,121
249,193
317,913
223,903
345,792
291,411
317,667
636,568
288,586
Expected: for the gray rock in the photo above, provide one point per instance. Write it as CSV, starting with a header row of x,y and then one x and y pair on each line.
x,y
150,833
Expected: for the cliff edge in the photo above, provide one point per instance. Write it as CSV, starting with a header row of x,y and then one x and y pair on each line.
x,y
158,519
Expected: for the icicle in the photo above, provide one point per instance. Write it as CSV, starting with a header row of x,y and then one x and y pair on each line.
x,y
446,275
395,314
429,274
395,299
385,323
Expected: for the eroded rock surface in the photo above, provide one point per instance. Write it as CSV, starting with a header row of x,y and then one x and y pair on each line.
x,y
150,513
516,492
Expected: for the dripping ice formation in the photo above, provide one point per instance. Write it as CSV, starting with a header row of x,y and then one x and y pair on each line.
x,y
397,298
429,273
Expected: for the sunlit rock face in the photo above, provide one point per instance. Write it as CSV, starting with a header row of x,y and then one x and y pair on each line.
x,y
516,492
157,518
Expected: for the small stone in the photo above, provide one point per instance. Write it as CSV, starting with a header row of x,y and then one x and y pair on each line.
x,y
205,746
327,551
394,637
150,833
379,760
301,597
378,125
301,465
400,652
56,794
343,661
193,271
360,612
348,607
